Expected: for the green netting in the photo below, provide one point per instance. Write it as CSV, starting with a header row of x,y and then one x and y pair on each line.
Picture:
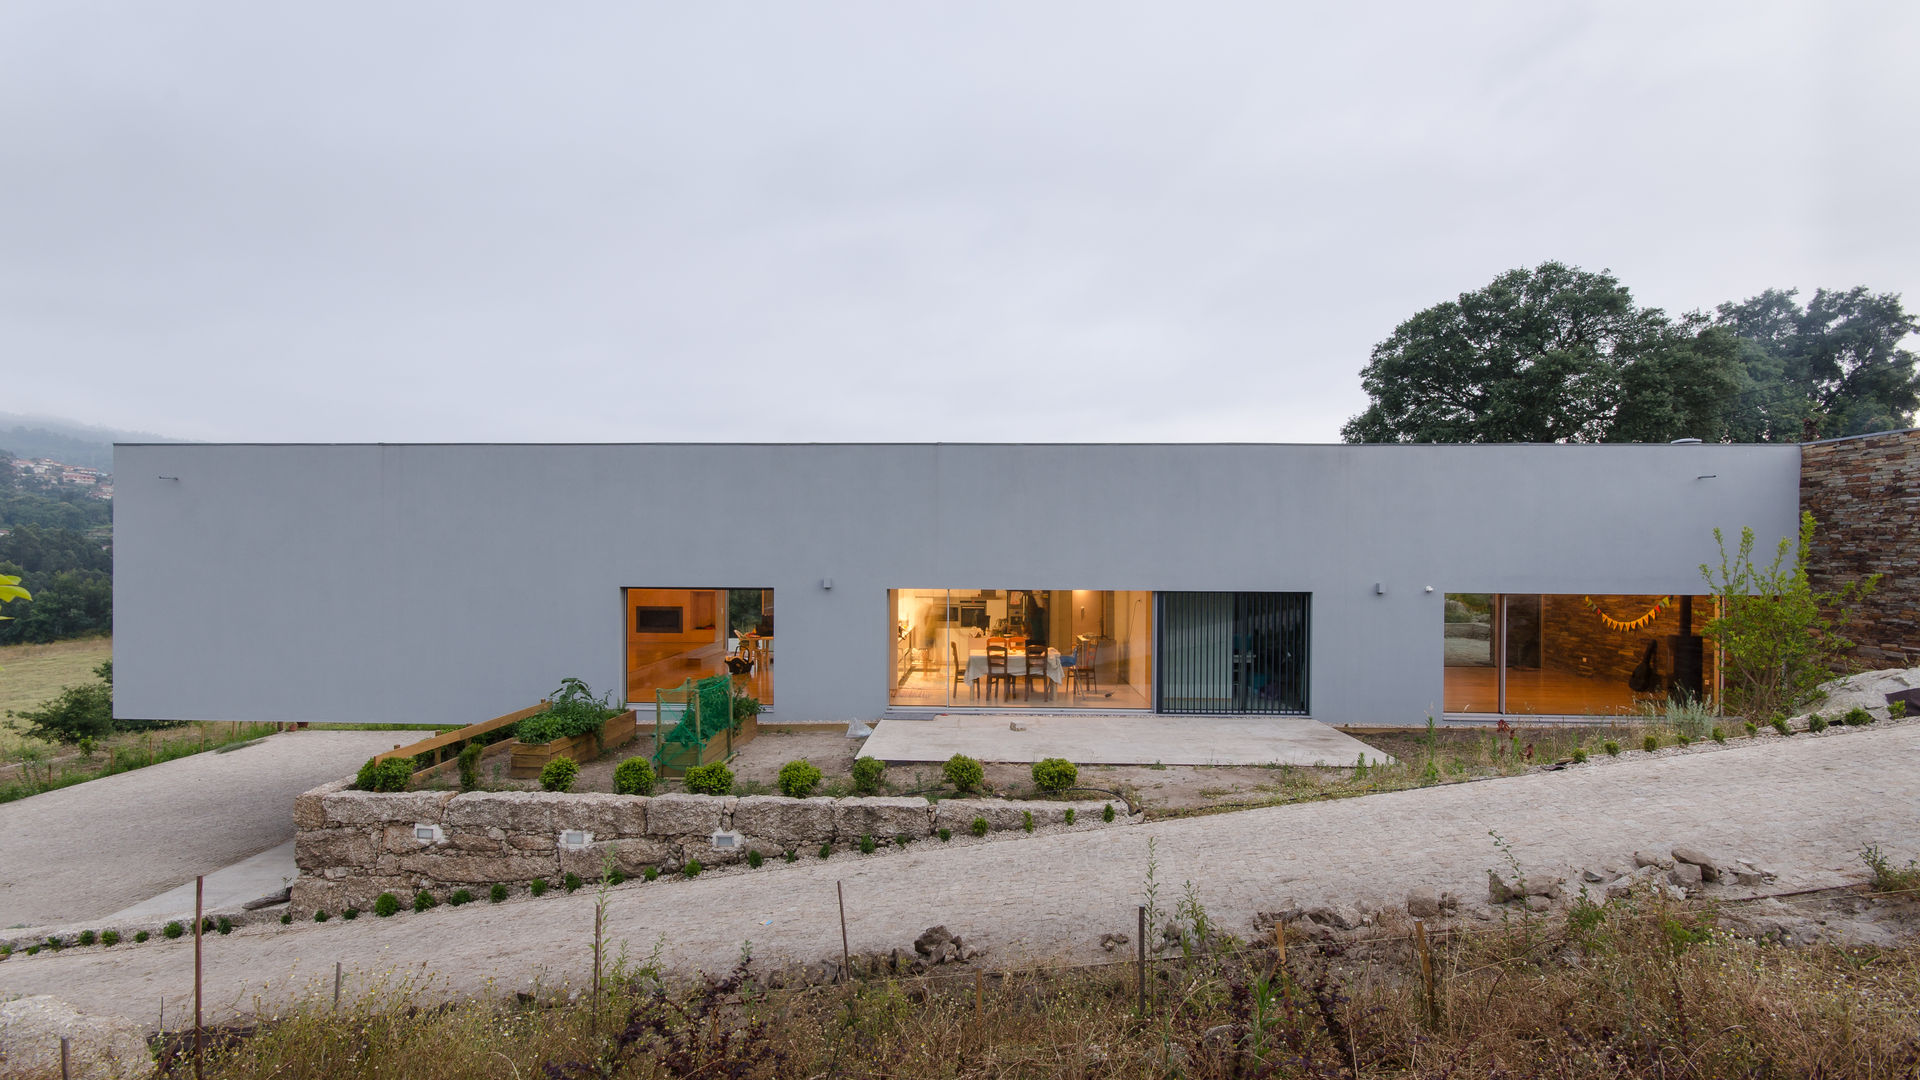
x,y
701,712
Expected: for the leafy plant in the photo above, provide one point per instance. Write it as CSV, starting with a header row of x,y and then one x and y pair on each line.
x,y
87,937
1857,717
1886,876
285,920
1026,820
1579,755
140,937
1752,729
826,850
459,897
753,859
470,765
538,886
393,774
1070,815
109,938
572,711
945,835
1816,723
350,914
964,773
423,900
1896,710
497,894
867,844
571,882
320,916
1779,724
559,774
798,779
1650,743
746,708
1719,735
173,930
634,776
712,779
692,868
1055,774
1775,632
1106,812
1611,747
979,826
651,873
868,774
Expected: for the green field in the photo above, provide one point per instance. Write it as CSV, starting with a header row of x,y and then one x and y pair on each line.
x,y
30,674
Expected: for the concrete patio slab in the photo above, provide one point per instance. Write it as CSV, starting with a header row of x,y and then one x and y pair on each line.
x,y
227,888
1117,739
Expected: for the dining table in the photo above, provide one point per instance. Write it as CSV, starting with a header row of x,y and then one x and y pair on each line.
x,y
1056,672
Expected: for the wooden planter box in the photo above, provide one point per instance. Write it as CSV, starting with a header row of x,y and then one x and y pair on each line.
x,y
675,759
529,760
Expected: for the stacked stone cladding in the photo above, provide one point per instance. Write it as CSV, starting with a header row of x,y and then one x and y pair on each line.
x,y
1864,494
351,846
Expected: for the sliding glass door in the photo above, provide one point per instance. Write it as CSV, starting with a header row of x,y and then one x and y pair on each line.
x,y
1233,652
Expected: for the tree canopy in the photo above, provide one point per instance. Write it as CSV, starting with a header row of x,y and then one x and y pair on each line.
x,y
1560,354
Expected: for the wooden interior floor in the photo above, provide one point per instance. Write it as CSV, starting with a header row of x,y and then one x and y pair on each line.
x,y
930,690
759,684
1540,693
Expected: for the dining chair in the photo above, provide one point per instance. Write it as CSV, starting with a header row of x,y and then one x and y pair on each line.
x,y
1082,674
959,669
1037,669
997,670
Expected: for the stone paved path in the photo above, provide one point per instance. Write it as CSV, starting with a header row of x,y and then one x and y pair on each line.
x,y
1803,806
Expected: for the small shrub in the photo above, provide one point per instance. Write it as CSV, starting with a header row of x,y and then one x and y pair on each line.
x,y
1857,717
867,844
5,951
798,779
320,916
753,859
615,877
141,936
423,900
1896,710
650,873
56,944
868,774
559,774
386,904
497,894
459,897
173,930
979,826
790,855
87,937
964,773
1069,815
571,882
634,777
1579,755
1719,734
470,766
946,835
33,950
1779,724
714,779
1650,743
1683,740
826,850
1055,774
692,869
1752,729
1612,748
350,914
390,775
1106,812
1026,820
207,925
901,840
285,920
109,938
1816,723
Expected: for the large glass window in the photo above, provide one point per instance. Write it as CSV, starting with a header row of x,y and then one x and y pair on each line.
x,y
1234,652
1021,648
674,634
1574,655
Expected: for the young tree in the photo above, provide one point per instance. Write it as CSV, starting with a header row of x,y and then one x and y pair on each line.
x,y
1776,634
1551,354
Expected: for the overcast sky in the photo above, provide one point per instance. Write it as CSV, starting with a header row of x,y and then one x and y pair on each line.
x,y
884,220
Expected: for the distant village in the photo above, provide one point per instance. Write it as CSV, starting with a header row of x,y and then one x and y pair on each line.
x,y
52,472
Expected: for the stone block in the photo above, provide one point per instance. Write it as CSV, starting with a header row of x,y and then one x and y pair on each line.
x,y
383,807
631,856
881,817
678,815
513,811
316,849
1711,866
958,814
1423,902
605,816
1049,812
461,868
309,808
779,820
1685,873
311,894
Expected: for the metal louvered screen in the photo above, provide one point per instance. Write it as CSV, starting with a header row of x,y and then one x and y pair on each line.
x,y
1224,652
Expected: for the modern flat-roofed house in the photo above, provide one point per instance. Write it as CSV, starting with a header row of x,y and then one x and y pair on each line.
x,y
1350,584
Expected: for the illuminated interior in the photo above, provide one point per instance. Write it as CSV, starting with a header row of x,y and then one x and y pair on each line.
x,y
1571,655
673,634
1021,648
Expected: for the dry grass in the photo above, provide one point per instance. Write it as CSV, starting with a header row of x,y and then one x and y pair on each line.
x,y
1636,990
31,674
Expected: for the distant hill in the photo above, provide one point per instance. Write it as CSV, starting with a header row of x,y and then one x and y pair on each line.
x,y
65,441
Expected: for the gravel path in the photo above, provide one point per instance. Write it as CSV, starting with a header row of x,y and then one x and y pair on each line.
x,y
1801,806
94,848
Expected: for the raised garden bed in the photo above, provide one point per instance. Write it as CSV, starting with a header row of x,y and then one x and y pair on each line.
x,y
527,760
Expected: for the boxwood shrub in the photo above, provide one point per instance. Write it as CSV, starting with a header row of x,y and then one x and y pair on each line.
x,y
798,779
714,779
634,777
964,773
559,774
1055,774
867,775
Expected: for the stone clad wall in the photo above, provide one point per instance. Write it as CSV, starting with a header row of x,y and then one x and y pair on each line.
x,y
353,845
1864,493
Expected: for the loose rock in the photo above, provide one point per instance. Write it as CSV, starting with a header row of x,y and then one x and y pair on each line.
x,y
1423,903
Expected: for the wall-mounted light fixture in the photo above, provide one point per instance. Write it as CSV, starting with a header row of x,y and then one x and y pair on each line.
x,y
428,834
826,583
1379,588
575,839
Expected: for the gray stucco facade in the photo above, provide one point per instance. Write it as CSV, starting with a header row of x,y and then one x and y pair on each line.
x,y
450,583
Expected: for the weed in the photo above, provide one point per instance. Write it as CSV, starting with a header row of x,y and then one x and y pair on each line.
x,y
1888,877
497,894
423,900
946,835
692,868
867,844
753,859
320,916
979,826
538,886
1157,766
